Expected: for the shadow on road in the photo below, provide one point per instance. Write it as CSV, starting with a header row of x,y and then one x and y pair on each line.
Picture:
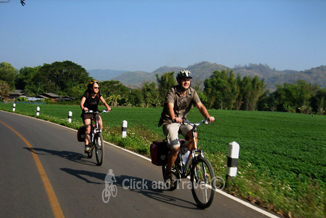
x,y
150,189
86,175
154,190
69,155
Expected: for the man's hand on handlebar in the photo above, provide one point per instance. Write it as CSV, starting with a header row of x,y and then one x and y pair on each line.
x,y
211,119
178,120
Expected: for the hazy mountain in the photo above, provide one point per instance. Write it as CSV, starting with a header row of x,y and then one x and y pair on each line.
x,y
204,70
200,71
313,76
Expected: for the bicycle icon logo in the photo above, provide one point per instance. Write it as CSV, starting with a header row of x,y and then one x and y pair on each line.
x,y
110,188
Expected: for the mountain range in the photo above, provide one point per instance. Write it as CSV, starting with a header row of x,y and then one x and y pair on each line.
x,y
204,70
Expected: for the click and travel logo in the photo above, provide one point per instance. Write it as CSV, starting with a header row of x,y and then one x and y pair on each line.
x,y
111,190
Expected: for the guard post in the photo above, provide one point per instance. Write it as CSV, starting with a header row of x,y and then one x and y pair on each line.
x,y
37,111
69,116
232,164
13,107
124,129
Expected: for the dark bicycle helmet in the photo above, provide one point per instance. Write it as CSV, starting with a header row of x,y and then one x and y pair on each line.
x,y
184,74
91,83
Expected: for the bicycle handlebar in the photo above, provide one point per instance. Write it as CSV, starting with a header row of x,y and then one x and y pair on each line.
x,y
186,121
95,112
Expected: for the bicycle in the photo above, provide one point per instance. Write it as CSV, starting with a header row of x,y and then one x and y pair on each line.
x,y
96,141
199,169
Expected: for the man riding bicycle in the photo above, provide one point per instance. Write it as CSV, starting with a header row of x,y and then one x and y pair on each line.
x,y
90,101
177,105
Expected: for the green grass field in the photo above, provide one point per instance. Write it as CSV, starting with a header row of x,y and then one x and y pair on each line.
x,y
279,149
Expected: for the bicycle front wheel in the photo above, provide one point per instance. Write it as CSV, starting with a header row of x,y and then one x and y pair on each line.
x,y
99,149
202,182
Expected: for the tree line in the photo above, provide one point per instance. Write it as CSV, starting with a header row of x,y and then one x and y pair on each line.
x,y
222,90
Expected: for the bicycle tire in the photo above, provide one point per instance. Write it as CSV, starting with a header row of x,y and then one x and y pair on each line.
x,y
99,148
202,182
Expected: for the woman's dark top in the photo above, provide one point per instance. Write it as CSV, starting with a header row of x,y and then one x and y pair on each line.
x,y
91,103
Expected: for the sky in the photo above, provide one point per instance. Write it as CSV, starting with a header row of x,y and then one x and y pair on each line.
x,y
143,35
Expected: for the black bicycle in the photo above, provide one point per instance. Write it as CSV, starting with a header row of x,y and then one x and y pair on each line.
x,y
202,177
96,141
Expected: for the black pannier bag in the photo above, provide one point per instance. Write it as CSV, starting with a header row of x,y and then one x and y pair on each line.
x,y
81,134
159,153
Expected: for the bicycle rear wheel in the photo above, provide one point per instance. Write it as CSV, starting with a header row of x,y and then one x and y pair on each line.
x,y
202,182
99,149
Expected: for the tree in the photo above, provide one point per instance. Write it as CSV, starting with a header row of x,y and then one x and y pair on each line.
x,y
62,75
257,89
135,97
166,81
8,73
77,91
320,103
239,99
24,80
197,84
249,89
292,97
113,87
4,88
113,99
221,89
150,93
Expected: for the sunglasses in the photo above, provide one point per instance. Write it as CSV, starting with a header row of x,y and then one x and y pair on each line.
x,y
96,87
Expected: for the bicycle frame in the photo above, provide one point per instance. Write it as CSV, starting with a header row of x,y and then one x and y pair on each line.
x,y
95,117
195,149
96,139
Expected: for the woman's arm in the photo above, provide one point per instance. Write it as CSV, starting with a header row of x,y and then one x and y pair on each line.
x,y
82,102
105,104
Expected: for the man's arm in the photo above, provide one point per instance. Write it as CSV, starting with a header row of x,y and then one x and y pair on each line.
x,y
204,112
172,114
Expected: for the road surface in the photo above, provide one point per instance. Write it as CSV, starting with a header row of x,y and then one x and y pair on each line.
x,y
45,173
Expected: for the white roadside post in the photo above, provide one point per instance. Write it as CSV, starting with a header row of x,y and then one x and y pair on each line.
x,y
37,111
233,156
13,107
69,116
124,129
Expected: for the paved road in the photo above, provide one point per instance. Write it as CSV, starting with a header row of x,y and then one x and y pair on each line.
x,y
44,172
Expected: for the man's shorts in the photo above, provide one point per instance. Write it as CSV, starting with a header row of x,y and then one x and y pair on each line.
x,y
171,131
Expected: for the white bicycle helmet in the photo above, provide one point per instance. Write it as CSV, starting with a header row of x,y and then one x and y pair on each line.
x,y
184,74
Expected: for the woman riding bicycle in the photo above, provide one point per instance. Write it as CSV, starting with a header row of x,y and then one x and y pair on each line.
x,y
88,102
